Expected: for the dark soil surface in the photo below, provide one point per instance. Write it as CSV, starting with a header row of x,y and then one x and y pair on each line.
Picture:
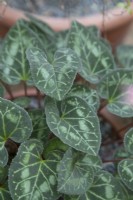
x,y
63,8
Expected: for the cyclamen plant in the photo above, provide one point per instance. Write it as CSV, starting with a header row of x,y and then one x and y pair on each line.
x,y
50,150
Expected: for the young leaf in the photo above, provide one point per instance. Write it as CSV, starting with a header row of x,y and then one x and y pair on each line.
x,y
57,78
117,88
30,177
128,141
87,94
77,125
125,56
15,67
76,172
54,144
15,124
40,128
125,170
95,55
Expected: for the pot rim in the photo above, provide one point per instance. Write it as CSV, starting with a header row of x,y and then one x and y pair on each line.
x,y
111,19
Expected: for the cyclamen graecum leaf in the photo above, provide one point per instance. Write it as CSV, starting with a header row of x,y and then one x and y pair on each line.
x,y
4,192
87,94
54,79
24,102
15,67
125,56
117,88
76,172
105,187
125,170
96,57
128,141
75,123
15,124
40,128
30,177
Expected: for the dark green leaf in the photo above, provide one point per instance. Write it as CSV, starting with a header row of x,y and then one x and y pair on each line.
x,y
95,55
54,144
14,65
30,177
15,124
4,193
117,87
105,187
57,78
128,141
87,94
125,170
40,127
125,55
24,102
3,174
74,175
77,125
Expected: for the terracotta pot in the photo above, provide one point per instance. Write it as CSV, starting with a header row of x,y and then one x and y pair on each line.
x,y
113,24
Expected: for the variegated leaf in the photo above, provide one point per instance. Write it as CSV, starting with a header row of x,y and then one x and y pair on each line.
x,y
125,56
87,94
15,124
31,177
117,87
125,170
14,65
75,123
105,187
128,141
76,172
95,55
54,79
40,127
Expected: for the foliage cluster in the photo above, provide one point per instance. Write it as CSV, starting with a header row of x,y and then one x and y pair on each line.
x,y
49,150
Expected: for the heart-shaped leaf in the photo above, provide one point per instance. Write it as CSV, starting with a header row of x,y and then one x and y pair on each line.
x,y
117,87
125,56
105,187
128,141
87,94
76,172
30,177
15,124
125,170
40,128
95,55
14,65
57,78
75,123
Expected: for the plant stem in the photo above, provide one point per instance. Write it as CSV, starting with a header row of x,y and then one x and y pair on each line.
x,y
113,160
39,97
25,88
